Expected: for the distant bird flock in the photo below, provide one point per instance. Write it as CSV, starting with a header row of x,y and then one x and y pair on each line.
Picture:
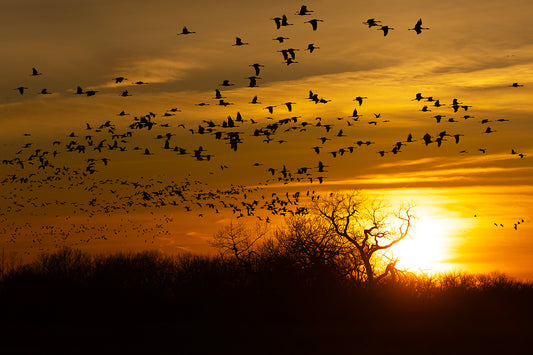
x,y
97,145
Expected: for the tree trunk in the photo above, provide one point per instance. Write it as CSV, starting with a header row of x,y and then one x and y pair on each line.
x,y
369,271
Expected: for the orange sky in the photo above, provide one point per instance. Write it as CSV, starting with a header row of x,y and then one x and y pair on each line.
x,y
473,52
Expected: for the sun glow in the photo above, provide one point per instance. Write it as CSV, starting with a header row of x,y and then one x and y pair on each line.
x,y
428,247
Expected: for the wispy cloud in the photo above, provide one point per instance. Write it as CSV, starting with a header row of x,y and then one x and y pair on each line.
x,y
153,70
481,159
437,176
407,163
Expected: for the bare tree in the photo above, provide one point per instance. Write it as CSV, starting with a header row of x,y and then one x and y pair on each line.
x,y
238,241
314,245
370,226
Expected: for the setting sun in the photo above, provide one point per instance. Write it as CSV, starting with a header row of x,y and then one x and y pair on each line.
x,y
428,247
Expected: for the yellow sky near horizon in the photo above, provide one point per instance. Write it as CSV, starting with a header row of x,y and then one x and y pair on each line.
x,y
469,53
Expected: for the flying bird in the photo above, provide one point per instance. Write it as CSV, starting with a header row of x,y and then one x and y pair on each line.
x,y
359,99
418,96
285,21
372,22
289,105
34,72
385,30
418,27
311,47
226,83
277,20
280,39
257,68
304,11
218,95
185,31
239,42
314,23
439,118
427,139
253,82
270,109
21,89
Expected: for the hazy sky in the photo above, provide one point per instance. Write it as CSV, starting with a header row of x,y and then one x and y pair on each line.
x,y
473,51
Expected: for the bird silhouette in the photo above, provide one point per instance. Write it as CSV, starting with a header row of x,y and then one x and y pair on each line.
x,y
385,30
289,105
372,22
314,23
239,42
280,39
304,11
427,139
359,99
34,72
311,47
418,96
290,61
270,109
253,82
277,20
218,94
226,83
418,27
289,52
285,21
221,102
21,89
257,68
185,31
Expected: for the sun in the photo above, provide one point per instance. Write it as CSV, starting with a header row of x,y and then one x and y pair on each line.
x,y
428,247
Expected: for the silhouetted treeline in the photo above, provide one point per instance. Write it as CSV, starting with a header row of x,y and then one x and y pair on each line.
x,y
153,303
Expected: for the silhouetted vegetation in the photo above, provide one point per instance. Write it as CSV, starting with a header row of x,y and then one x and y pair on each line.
x,y
281,300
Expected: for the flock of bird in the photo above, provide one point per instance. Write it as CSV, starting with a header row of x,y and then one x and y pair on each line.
x,y
73,166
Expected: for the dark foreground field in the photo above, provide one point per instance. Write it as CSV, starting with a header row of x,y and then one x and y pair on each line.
x,y
70,302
